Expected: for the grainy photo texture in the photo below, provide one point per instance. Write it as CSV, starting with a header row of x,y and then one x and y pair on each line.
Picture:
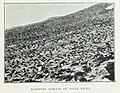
x,y
74,47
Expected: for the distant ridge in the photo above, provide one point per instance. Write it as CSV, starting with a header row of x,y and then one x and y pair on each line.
x,y
81,15
51,18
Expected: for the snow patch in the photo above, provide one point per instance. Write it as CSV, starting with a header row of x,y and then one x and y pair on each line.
x,y
110,7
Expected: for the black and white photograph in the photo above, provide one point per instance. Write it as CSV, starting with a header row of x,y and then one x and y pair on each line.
x,y
62,42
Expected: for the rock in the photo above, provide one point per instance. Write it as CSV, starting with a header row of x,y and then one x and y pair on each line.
x,y
78,76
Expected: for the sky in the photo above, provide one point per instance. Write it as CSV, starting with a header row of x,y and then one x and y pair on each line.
x,y
22,14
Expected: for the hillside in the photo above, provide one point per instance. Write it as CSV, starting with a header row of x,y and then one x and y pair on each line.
x,y
72,48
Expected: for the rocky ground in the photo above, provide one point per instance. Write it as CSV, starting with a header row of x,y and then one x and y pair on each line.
x,y
78,47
